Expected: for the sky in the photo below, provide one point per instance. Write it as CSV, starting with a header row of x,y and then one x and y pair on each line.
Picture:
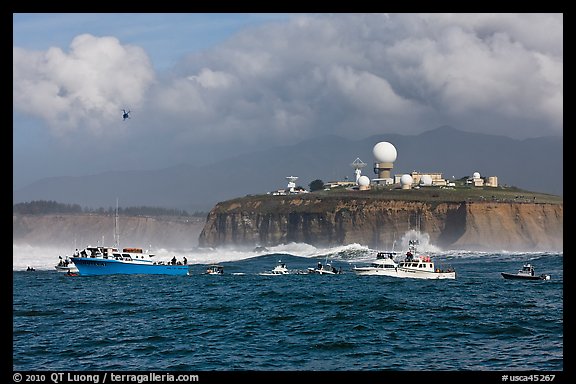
x,y
203,87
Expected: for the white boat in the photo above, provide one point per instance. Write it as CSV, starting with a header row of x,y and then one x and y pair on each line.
x,y
384,265
66,265
526,273
325,269
214,269
280,269
421,267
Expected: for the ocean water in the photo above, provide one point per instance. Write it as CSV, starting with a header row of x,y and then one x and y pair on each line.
x,y
242,321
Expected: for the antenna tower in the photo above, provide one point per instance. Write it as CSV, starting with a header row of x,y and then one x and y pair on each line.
x,y
358,165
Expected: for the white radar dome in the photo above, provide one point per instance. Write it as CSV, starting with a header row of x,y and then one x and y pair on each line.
x,y
384,152
476,175
406,179
364,181
426,180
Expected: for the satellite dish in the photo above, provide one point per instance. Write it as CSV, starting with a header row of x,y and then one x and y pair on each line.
x,y
358,165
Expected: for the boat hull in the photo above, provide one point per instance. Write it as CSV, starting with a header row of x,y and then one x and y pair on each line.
x,y
427,275
367,271
410,274
322,271
513,276
65,269
98,266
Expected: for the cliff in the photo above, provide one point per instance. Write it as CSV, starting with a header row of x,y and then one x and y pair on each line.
x,y
520,223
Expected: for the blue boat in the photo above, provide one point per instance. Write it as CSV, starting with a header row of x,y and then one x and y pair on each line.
x,y
130,261
94,261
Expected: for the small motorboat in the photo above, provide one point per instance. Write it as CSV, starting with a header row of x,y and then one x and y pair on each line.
x,y
280,269
526,273
325,269
66,265
214,269
383,265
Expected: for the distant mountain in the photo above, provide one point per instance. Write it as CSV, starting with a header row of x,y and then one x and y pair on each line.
x,y
531,164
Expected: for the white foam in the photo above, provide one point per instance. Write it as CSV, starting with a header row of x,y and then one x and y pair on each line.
x,y
46,258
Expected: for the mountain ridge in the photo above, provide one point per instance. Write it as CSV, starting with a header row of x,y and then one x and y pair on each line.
x,y
530,164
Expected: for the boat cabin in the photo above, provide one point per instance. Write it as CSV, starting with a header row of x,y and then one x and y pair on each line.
x,y
104,252
382,265
527,270
127,254
385,255
215,270
420,263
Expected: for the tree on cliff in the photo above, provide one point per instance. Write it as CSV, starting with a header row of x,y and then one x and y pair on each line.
x,y
316,185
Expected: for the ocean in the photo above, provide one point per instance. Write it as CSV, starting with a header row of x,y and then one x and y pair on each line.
x,y
243,321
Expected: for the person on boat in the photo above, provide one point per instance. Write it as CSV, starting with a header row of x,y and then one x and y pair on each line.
x,y
409,256
319,265
185,260
174,260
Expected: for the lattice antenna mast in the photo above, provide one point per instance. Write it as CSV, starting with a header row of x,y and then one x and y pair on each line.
x,y
358,165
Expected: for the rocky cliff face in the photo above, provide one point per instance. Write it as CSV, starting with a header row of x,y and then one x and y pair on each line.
x,y
520,226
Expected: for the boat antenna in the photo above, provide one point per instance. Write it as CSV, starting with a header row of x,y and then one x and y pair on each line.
x,y
116,232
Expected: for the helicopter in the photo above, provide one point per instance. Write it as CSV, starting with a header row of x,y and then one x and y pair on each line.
x,y
125,114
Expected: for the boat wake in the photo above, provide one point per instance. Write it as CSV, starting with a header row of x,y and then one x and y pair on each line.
x,y
45,257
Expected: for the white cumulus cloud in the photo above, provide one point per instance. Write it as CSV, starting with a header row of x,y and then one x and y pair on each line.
x,y
84,88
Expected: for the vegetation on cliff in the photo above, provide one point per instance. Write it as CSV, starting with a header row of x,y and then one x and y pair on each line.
x,y
44,207
431,195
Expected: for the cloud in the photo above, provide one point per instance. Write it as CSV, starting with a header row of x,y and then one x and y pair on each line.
x,y
85,88
408,73
353,75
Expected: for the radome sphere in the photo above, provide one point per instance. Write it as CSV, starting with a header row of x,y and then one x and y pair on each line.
x,y
384,152
476,175
364,181
406,179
